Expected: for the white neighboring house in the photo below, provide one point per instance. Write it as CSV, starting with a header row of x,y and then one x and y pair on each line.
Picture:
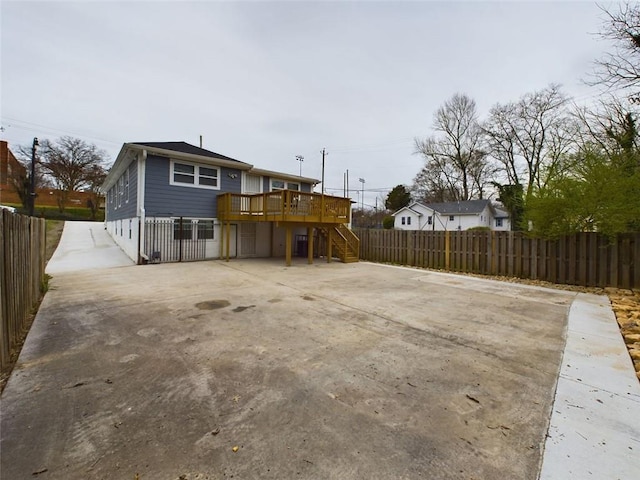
x,y
449,216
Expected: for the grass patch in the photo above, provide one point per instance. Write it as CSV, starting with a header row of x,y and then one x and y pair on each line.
x,y
54,232
70,213
53,213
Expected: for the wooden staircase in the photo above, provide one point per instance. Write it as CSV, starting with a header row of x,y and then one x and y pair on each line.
x,y
344,243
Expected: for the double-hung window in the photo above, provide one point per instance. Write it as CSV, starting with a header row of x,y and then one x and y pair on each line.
x,y
193,175
282,185
205,229
182,229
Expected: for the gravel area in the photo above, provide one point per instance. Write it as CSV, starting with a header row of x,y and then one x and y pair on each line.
x,y
626,306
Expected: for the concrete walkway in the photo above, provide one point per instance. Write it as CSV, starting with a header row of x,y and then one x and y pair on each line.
x,y
86,246
314,371
595,424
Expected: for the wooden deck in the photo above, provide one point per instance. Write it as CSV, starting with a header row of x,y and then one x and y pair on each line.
x,y
292,209
284,206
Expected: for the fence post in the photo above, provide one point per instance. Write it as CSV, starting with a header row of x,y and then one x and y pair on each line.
x,y
447,249
410,247
180,242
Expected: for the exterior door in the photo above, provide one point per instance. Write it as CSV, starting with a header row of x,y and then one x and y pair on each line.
x,y
221,241
248,239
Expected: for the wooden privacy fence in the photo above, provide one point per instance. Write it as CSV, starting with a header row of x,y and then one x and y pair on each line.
x,y
586,259
22,262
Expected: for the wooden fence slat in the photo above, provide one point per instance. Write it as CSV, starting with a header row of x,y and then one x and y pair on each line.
x,y
625,262
614,264
22,252
592,261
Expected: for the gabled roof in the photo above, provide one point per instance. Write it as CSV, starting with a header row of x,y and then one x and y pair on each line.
x,y
468,207
500,213
410,208
184,147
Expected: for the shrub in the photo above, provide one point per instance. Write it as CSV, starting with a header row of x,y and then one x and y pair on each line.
x,y
388,222
479,229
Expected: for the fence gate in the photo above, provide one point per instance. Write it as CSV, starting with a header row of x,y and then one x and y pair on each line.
x,y
176,240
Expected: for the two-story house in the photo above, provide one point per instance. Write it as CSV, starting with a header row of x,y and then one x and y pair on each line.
x,y
449,216
172,201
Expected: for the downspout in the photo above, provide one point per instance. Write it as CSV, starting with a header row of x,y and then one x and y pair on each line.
x,y
142,162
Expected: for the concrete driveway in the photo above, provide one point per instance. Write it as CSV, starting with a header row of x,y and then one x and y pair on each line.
x,y
248,369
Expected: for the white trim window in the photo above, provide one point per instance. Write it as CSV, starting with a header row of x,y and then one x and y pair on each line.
x,y
120,190
193,229
277,184
126,187
187,174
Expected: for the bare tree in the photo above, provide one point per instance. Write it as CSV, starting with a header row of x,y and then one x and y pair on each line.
x,y
528,138
455,163
71,163
610,125
21,179
95,178
621,67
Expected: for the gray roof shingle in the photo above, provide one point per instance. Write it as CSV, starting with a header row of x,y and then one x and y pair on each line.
x,y
468,207
184,147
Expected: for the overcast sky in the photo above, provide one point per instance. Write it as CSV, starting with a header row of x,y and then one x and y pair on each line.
x,y
263,82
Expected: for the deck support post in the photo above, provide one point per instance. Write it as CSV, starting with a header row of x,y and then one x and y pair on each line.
x,y
288,245
228,240
310,245
329,243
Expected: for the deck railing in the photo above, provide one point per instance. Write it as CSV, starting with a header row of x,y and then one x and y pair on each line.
x,y
284,206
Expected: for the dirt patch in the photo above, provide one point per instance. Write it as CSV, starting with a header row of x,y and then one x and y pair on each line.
x,y
212,304
242,309
54,232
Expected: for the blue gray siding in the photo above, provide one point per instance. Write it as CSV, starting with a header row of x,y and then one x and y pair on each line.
x,y
127,208
165,200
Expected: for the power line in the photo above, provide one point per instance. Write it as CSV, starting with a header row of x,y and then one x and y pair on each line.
x,y
54,130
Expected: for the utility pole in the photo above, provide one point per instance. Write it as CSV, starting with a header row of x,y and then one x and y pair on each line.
x,y
323,154
300,158
361,180
376,215
347,183
32,189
